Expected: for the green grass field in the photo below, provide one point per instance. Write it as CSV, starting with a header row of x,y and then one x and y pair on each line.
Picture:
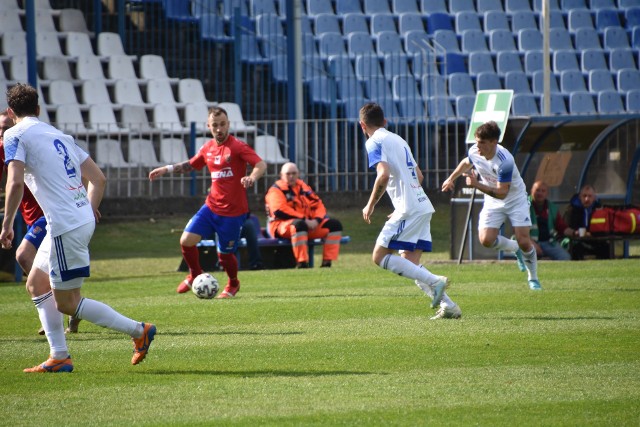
x,y
350,345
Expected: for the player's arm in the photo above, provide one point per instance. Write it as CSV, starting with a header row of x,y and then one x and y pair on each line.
x,y
379,188
499,192
184,167
96,184
13,196
463,166
258,170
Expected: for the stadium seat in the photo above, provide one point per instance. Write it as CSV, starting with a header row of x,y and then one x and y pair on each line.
x,y
512,6
61,92
460,84
236,119
89,68
601,4
579,18
127,91
159,92
197,113
412,110
178,10
533,61
464,105
433,86
354,23
166,119
315,7
47,44
399,7
142,153
632,17
10,21
628,79
340,66
529,39
461,6
587,38
508,61
524,104
109,154
606,18
431,6
560,39
517,81
268,147
446,40
467,20
615,38
553,5
69,120
474,41
537,83
45,21
404,87
388,42
325,23
121,67
556,20
371,7
56,68
322,89
502,41
438,21
191,90
103,120
172,150
633,100
134,118
496,20
153,67
610,102
523,19
382,22
454,63
572,81
488,80
378,88
14,44
250,52
557,104
440,107
270,25
593,59
258,7
396,64
350,87
213,28
360,44
348,6
567,5
78,45
620,59
565,60
483,6
332,44
635,37
110,44
410,21
581,103
95,92
600,80
416,42
480,62
367,66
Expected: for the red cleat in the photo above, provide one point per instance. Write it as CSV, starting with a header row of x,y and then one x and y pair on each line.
x,y
230,290
185,285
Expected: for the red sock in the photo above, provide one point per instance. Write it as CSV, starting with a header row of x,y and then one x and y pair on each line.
x,y
230,265
192,258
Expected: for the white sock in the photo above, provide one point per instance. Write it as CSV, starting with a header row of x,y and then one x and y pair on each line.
x,y
53,323
531,262
406,268
427,289
504,244
105,316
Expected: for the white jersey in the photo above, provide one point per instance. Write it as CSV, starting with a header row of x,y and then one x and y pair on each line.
x,y
52,172
406,192
501,168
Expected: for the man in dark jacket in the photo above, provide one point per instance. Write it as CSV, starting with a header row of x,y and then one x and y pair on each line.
x,y
577,216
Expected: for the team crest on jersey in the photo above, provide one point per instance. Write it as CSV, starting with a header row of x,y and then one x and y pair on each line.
x,y
227,158
216,160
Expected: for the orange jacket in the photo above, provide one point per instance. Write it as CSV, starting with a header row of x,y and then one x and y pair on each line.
x,y
300,201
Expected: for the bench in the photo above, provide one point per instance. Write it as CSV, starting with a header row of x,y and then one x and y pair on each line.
x,y
611,239
276,253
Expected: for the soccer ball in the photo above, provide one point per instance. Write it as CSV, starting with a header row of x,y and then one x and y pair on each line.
x,y
205,286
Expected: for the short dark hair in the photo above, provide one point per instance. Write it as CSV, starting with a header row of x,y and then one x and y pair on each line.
x,y
489,130
372,115
216,111
23,100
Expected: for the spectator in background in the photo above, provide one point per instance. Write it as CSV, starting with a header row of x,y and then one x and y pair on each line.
x,y
577,216
547,225
296,212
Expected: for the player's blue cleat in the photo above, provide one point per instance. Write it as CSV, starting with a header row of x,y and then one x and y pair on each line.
x,y
438,290
534,285
53,365
520,260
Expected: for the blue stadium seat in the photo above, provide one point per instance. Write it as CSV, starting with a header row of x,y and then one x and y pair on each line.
x,y
439,107
523,19
403,6
481,62
382,22
389,107
553,5
496,20
412,109
447,40
610,102
431,6
378,88
628,79
502,41
250,50
315,7
556,20
587,38
512,6
340,66
483,6
410,21
620,59
537,83
354,23
360,44
350,87
347,6
607,18
438,21
518,81
331,44
572,81
423,64
388,42
259,7
533,61
632,17
615,38
579,18
633,100
565,60
396,64
351,107
376,6
416,42
213,28
274,45
461,84
474,41
433,85
593,59
529,39
367,66
557,104
626,4
322,89
404,87
488,80
600,80
309,46
269,24
560,39
508,61
602,4
178,10
280,68
326,23
581,103
524,104
461,6
567,5
464,105
467,21
635,37
454,63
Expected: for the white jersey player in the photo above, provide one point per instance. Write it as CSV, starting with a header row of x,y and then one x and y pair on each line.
x,y
505,197
408,229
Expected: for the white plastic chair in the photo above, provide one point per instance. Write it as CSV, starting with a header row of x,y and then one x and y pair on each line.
x,y
141,152
56,68
127,92
82,144
79,45
18,68
69,119
268,148
61,92
89,68
14,44
47,44
160,92
237,123
191,90
134,118
110,44
95,92
72,20
121,67
102,119
109,153
10,21
152,67
172,150
165,118
197,112
44,20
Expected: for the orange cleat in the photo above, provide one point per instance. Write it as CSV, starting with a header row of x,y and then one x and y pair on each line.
x,y
53,365
141,345
185,285
230,290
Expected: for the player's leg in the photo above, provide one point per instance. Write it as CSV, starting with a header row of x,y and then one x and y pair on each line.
x,y
200,225
529,254
228,230
330,230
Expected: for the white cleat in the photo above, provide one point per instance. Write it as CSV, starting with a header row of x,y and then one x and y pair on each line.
x,y
448,313
438,290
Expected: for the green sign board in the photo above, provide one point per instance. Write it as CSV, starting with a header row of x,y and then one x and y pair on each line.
x,y
490,105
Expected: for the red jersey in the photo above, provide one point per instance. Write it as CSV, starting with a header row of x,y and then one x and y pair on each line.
x,y
29,207
227,163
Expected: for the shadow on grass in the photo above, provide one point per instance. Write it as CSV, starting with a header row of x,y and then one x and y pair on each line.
x,y
258,374
563,318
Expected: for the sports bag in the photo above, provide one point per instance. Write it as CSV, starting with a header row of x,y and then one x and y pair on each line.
x,y
602,221
627,220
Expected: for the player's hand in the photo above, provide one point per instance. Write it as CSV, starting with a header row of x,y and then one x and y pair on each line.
x,y
6,237
367,212
471,179
97,215
157,173
448,184
247,181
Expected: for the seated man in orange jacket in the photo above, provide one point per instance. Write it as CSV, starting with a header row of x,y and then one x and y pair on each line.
x,y
296,212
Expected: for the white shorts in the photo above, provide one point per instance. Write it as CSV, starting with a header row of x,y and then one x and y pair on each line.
x,y
493,217
66,257
406,233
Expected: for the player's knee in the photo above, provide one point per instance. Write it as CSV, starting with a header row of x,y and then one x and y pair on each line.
x,y
24,260
333,225
487,242
300,225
